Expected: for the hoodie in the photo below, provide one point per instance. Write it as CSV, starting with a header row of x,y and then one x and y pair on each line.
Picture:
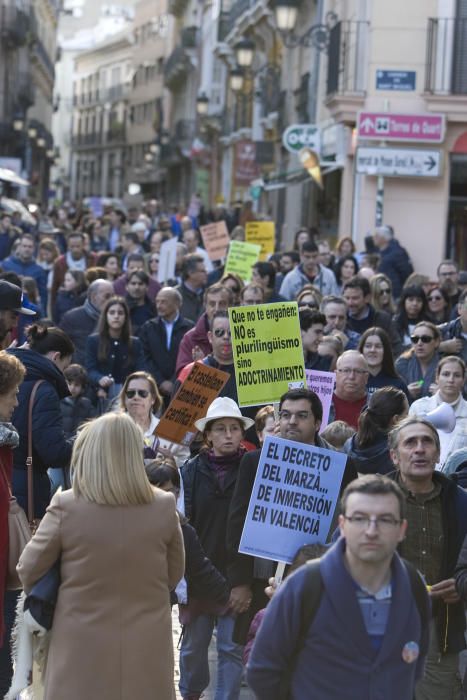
x,y
373,459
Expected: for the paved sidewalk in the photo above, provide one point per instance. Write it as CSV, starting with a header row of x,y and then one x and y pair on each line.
x,y
245,693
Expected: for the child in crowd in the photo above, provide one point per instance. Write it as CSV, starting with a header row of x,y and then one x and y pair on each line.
x,y
77,408
337,433
304,554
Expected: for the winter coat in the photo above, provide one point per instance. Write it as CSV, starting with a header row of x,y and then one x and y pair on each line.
x,y
461,572
197,336
381,319
454,330
75,412
160,361
410,370
113,596
8,438
66,301
50,447
395,263
296,279
119,363
373,459
78,324
193,303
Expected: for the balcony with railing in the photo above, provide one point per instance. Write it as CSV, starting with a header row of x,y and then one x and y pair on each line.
x,y
347,69
176,68
446,65
14,25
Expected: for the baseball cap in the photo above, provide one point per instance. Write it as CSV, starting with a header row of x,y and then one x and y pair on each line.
x,y
11,299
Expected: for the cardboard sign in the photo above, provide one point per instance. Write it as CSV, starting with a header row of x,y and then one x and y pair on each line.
x,y
167,260
240,259
322,383
293,499
267,350
190,403
216,239
262,233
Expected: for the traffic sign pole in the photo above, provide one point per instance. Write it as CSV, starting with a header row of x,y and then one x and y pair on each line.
x,y
379,201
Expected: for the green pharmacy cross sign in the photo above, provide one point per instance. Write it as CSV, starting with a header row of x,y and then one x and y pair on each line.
x,y
298,136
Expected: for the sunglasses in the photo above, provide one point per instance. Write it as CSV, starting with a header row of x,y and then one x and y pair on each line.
x,y
421,338
384,291
309,304
131,393
220,332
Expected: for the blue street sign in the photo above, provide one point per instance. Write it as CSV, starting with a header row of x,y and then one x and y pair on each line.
x,y
403,80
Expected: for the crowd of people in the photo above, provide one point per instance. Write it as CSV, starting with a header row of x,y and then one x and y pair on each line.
x,y
95,344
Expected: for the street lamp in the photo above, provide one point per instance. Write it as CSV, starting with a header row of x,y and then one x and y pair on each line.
x,y
236,79
286,13
244,52
41,142
310,161
18,124
202,104
32,132
148,157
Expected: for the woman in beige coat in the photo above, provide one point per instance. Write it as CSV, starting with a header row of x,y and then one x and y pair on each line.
x,y
121,550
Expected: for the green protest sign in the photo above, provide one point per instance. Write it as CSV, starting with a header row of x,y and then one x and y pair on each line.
x,y
240,259
267,350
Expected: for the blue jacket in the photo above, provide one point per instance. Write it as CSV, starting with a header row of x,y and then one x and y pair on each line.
x,y
31,269
337,661
395,263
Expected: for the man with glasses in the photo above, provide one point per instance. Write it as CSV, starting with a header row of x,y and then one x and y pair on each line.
x,y
367,637
350,394
437,516
448,277
300,416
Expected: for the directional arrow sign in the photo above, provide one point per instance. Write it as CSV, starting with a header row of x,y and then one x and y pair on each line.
x,y
398,162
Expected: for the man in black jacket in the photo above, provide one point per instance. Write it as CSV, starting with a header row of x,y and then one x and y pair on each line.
x,y
161,337
300,415
437,517
361,315
394,259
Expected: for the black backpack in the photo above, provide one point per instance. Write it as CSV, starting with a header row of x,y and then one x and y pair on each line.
x,y
311,597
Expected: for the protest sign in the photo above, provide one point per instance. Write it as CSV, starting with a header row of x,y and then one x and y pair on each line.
x,y
262,233
167,260
322,383
190,403
293,499
240,259
267,350
216,239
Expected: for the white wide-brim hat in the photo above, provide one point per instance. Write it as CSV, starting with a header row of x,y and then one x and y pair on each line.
x,y
223,407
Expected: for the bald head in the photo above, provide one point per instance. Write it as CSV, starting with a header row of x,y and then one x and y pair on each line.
x,y
351,376
168,303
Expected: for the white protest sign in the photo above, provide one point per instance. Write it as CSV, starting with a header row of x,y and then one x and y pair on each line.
x,y
293,499
322,383
167,259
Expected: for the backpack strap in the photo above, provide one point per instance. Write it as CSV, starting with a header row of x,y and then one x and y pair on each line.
x,y
419,592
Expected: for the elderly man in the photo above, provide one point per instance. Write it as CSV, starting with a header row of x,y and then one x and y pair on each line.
x,y
448,276
437,516
79,323
161,338
251,295
300,416
350,394
368,634
308,272
395,261
190,238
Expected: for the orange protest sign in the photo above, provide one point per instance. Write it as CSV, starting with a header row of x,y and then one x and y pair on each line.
x,y
191,402
216,239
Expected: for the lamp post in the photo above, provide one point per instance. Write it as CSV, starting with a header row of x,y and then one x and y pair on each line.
x,y
286,14
202,104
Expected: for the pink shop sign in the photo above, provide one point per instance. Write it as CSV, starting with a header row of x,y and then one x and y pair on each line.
x,y
416,128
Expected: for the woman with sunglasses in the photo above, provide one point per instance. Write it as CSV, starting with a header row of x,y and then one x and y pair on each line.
x,y
140,398
413,309
375,347
309,297
450,376
381,293
113,353
439,305
417,366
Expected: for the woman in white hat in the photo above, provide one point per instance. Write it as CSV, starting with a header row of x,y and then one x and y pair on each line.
x,y
209,482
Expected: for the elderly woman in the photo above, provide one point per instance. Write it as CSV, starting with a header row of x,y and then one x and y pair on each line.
x,y
209,482
12,373
113,595
140,398
450,376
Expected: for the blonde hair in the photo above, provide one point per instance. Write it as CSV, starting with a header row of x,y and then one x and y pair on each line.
x,y
107,462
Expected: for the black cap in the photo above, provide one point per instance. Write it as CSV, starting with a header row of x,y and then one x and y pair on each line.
x,y
11,299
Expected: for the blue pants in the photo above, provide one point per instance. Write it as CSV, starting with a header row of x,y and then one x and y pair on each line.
x,y
194,667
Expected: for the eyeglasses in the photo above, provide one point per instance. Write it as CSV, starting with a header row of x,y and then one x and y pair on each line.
x,y
131,393
350,370
435,298
421,338
384,291
310,304
381,522
220,332
300,415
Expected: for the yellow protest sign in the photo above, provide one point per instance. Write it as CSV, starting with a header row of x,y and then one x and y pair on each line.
x,y
262,233
240,259
216,239
267,350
